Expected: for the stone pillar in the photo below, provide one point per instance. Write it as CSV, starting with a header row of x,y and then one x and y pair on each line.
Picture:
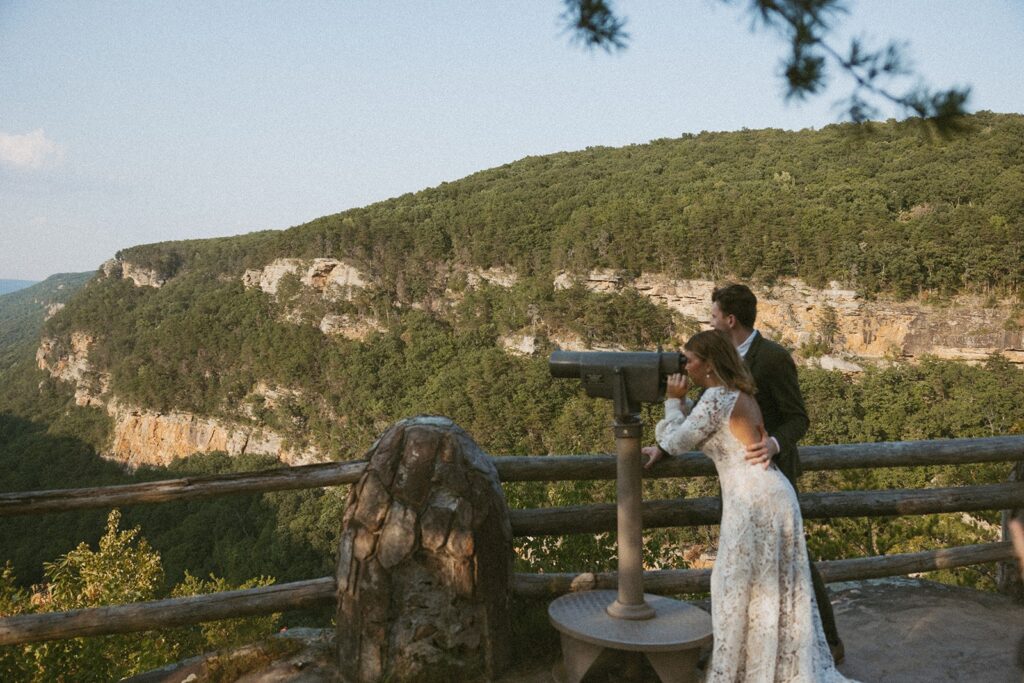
x,y
425,560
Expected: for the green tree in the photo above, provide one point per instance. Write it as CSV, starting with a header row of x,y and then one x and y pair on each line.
x,y
122,569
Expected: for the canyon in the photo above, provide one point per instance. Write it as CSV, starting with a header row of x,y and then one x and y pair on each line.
x,y
832,328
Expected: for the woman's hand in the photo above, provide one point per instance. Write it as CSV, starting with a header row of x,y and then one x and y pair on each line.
x,y
653,454
678,385
762,451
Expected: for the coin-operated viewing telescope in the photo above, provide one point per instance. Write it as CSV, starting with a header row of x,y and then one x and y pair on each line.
x,y
629,378
669,632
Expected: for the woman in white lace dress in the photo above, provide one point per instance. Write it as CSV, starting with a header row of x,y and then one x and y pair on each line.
x,y
766,623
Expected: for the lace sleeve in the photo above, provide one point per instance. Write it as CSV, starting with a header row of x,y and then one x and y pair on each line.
x,y
679,433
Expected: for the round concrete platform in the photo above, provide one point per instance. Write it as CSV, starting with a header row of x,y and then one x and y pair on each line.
x,y
676,625
670,641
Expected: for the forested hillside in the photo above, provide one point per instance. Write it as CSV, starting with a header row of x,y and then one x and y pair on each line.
x,y
438,279
880,210
884,211
22,312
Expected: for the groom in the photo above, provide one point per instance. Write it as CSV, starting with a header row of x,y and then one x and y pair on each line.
x,y
733,311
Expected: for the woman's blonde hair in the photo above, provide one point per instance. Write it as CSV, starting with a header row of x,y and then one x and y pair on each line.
x,y
713,347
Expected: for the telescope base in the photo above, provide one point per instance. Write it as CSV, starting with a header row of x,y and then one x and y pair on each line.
x,y
671,641
619,610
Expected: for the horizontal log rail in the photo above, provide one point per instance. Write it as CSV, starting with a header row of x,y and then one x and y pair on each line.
x,y
812,459
677,581
160,614
190,488
578,519
510,468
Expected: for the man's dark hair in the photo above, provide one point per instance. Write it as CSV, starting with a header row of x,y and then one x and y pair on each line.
x,y
737,300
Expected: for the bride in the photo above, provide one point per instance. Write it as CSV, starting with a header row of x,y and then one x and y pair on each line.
x,y
766,622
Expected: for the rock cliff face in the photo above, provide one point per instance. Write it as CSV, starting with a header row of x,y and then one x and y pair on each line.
x,y
329,278
835,328
68,361
503,277
846,324
142,277
349,326
145,437
333,279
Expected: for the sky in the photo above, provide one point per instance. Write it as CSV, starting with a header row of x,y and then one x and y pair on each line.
x,y
137,121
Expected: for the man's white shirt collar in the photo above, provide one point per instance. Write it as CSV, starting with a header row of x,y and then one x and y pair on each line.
x,y
745,346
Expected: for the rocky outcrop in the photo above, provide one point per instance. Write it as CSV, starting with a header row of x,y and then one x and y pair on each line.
x,y
68,361
334,279
142,277
293,655
146,437
523,344
270,276
52,310
350,326
519,344
833,328
843,324
331,278
502,277
945,633
598,280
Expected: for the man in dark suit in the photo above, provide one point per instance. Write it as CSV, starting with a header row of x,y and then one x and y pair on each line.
x,y
733,312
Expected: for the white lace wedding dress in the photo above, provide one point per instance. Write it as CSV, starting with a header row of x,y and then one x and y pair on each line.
x,y
765,619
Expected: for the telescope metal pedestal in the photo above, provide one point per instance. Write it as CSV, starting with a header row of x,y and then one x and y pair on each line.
x,y
629,603
671,641
668,632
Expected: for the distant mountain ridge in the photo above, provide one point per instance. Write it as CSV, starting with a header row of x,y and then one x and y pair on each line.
x,y
8,286
880,211
23,312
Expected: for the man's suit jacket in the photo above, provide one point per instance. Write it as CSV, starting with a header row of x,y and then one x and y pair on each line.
x,y
778,395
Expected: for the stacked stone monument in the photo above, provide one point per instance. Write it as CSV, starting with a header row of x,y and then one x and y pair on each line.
x,y
425,560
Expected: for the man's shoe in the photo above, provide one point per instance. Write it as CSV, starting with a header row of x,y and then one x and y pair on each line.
x,y
838,651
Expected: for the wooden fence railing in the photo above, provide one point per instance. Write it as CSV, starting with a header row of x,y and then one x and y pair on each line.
x,y
546,521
